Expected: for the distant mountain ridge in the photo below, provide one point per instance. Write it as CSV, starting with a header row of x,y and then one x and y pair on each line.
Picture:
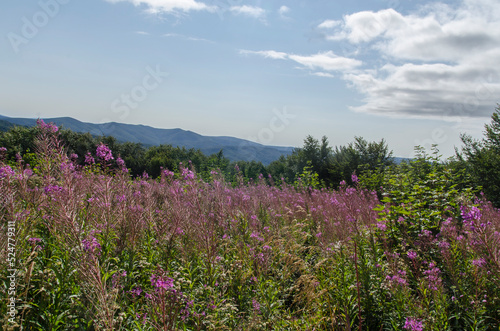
x,y
235,149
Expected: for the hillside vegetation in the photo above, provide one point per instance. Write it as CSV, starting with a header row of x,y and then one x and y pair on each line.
x,y
201,246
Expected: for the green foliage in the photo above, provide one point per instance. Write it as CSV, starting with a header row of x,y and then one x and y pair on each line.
x,y
18,140
482,159
421,194
308,178
332,165
359,157
21,140
5,125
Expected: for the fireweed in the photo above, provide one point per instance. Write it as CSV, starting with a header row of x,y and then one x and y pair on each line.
x,y
97,249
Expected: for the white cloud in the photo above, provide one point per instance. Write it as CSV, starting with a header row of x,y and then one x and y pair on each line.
x,y
283,11
328,24
251,11
440,62
165,6
363,26
144,33
327,61
322,74
181,36
267,54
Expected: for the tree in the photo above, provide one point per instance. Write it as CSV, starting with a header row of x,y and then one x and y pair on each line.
x,y
481,158
359,156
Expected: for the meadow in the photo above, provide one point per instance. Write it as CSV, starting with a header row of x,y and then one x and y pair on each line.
x,y
96,249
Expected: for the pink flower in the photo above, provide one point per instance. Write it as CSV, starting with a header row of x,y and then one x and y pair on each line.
x,y
48,127
89,159
412,255
120,162
432,275
413,324
256,306
104,153
469,215
479,263
136,291
256,236
6,171
91,246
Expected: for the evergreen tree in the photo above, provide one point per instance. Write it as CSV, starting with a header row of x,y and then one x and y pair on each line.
x,y
481,158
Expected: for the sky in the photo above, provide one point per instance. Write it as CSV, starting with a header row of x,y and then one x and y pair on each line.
x,y
413,72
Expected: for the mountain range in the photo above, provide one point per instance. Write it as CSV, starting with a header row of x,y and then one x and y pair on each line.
x,y
235,149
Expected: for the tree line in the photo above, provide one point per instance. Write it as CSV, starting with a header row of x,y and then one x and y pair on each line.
x,y
316,164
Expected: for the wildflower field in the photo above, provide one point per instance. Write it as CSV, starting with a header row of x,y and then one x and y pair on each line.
x,y
94,249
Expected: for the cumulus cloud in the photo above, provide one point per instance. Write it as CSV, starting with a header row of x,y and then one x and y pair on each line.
x,y
252,11
166,6
440,61
327,61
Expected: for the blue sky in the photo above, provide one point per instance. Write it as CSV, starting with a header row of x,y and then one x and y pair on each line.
x,y
414,72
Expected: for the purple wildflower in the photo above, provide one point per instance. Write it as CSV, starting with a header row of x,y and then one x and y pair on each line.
x,y
354,178
188,174
443,245
159,282
413,324
120,162
256,306
92,246
168,173
432,275
6,171
398,279
89,159
479,263
256,236
473,214
103,152
412,255
49,127
34,240
67,166
52,188
136,291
